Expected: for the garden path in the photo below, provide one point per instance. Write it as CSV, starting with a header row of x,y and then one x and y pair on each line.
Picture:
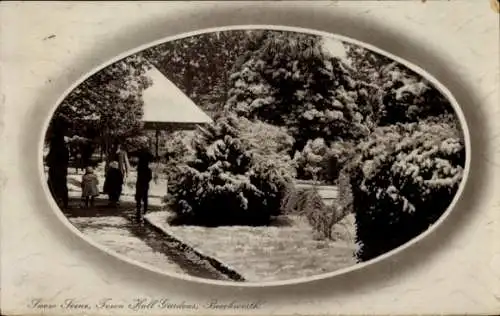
x,y
116,229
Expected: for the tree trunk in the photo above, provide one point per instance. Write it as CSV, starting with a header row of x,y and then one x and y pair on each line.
x,y
107,150
188,82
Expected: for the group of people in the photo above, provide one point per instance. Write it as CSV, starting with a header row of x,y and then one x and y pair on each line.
x,y
117,169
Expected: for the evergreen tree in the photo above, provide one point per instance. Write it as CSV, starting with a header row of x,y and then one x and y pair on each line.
x,y
224,183
291,80
396,93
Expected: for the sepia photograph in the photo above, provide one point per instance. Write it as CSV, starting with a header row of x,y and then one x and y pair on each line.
x,y
255,155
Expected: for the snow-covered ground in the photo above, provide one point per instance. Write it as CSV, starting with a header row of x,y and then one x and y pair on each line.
x,y
268,253
112,232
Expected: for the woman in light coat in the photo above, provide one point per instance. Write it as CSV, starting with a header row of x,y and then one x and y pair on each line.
x,y
121,157
123,162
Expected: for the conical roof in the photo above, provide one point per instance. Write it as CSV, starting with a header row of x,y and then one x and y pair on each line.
x,y
166,105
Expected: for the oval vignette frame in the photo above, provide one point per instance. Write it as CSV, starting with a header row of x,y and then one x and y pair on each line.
x,y
186,277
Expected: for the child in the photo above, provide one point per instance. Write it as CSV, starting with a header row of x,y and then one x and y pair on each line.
x,y
144,176
89,187
113,183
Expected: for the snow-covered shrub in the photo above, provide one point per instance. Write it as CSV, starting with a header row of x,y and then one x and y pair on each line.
x,y
272,178
321,162
403,179
265,139
311,161
224,182
177,150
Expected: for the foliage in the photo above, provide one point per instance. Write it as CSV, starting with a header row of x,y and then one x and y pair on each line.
x,y
107,106
199,65
320,162
308,203
297,81
396,93
135,143
133,146
292,80
345,197
224,182
311,160
402,180
267,142
178,145
178,151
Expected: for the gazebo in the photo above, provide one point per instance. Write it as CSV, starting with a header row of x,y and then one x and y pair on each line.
x,y
166,107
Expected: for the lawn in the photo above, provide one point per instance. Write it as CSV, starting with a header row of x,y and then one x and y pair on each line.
x,y
272,253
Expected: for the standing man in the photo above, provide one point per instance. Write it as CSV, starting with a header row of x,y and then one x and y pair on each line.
x,y
144,176
58,161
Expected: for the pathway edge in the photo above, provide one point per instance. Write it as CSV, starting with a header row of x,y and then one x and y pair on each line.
x,y
218,265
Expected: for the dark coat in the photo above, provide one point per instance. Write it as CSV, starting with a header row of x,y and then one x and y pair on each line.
x,y
114,182
144,176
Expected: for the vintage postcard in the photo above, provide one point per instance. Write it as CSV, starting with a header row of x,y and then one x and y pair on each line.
x,y
250,158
